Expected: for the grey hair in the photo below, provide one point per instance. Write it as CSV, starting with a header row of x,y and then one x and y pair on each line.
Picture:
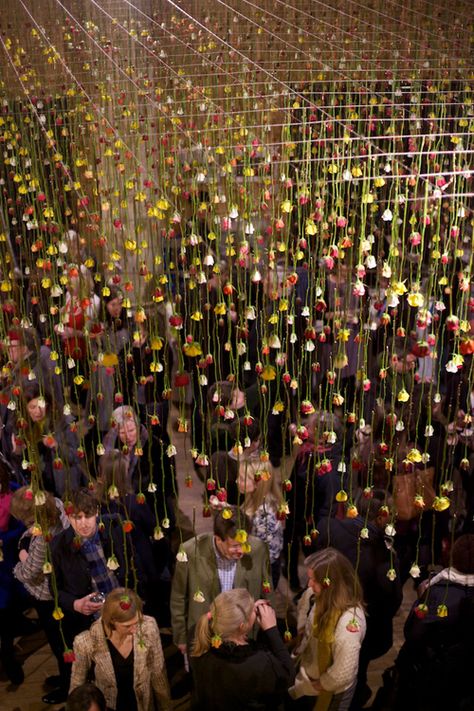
x,y
123,414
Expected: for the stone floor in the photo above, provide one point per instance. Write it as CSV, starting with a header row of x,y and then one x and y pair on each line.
x,y
39,662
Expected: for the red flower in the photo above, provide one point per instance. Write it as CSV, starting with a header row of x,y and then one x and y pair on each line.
x,y
127,526
181,380
69,656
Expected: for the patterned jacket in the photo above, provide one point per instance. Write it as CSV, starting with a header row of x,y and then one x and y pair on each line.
x,y
149,674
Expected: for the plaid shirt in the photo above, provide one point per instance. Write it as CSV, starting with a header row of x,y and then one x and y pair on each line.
x,y
225,569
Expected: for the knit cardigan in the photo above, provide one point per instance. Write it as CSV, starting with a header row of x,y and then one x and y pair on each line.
x,y
345,649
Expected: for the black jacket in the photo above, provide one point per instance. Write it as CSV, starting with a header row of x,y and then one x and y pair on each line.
x,y
251,677
72,576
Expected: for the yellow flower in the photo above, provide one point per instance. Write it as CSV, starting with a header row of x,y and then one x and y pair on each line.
x,y
414,456
268,373
220,309
403,396
341,496
286,206
399,288
156,343
58,614
109,360
441,503
343,335
78,380
192,349
416,299
241,536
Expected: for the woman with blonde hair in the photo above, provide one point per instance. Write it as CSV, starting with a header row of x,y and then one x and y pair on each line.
x,y
332,623
123,649
258,483
232,672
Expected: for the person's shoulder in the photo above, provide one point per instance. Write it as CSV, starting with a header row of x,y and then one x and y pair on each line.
x,y
201,542
257,546
351,621
62,540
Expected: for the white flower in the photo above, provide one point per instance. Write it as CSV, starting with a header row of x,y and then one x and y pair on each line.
x,y
71,363
341,467
165,523
437,397
171,450
390,530
241,348
40,498
247,365
112,563
370,262
11,405
305,311
181,556
67,410
386,270
158,534
387,215
309,345
429,430
391,574
364,532
415,571
100,450
293,337
151,488
451,367
198,596
202,380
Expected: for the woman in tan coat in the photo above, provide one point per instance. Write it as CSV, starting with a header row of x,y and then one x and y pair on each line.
x,y
122,652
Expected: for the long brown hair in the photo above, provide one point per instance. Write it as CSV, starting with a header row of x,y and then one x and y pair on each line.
x,y
340,586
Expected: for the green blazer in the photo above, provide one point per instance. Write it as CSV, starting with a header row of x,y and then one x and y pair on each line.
x,y
199,573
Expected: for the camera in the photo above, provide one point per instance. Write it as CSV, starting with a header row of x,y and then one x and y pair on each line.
x,y
97,597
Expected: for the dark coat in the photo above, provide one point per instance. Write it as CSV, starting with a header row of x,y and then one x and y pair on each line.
x,y
243,678
9,586
72,576
435,663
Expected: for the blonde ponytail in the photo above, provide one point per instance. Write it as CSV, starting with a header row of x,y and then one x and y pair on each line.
x,y
202,636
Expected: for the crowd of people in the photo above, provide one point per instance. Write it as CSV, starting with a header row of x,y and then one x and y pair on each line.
x,y
89,499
